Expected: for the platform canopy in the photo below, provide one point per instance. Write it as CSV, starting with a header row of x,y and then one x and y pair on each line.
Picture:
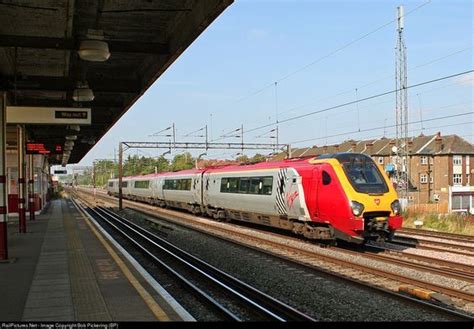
x,y
40,62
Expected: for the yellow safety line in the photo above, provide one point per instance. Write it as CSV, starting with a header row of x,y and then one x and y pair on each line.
x,y
149,300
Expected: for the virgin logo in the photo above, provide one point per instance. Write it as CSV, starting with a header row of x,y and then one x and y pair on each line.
x,y
290,198
377,201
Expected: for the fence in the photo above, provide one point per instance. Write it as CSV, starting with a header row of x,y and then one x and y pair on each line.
x,y
440,208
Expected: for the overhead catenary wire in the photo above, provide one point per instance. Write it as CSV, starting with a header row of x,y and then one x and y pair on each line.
x,y
381,127
389,101
431,109
346,45
374,81
414,130
370,106
359,100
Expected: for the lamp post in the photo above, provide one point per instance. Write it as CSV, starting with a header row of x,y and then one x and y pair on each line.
x,y
197,159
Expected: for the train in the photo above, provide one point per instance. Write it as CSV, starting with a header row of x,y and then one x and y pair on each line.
x,y
331,197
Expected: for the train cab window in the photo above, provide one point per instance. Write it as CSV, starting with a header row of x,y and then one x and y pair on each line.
x,y
364,175
244,185
124,184
111,184
326,178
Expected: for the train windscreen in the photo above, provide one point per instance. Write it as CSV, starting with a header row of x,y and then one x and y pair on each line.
x,y
363,174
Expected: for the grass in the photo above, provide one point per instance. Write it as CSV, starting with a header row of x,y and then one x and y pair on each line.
x,y
451,223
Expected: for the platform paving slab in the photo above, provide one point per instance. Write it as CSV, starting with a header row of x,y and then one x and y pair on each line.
x,y
16,276
62,272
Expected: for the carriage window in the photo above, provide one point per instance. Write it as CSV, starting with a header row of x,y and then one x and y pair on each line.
x,y
244,185
255,186
111,184
183,184
142,184
247,185
233,185
124,184
224,185
326,178
267,185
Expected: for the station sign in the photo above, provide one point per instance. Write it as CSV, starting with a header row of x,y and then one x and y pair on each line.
x,y
48,115
61,114
43,148
60,172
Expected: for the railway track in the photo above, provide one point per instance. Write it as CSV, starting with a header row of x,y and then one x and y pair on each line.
x,y
428,264
442,235
345,268
420,243
231,298
466,271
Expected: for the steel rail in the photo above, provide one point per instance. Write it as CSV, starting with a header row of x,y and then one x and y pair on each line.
x,y
278,247
277,251
434,245
454,270
265,303
442,235
257,300
194,289
448,272
453,267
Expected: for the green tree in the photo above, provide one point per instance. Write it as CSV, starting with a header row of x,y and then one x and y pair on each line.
x,y
242,158
258,158
182,161
103,170
162,164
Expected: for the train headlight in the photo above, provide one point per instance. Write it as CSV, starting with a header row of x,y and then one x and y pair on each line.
x,y
357,208
396,207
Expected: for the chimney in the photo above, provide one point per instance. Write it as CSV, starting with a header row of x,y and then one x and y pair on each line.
x,y
369,148
391,144
438,142
410,147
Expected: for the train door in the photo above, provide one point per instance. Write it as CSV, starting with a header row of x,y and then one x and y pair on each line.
x,y
312,190
292,195
205,184
332,202
159,188
325,194
197,188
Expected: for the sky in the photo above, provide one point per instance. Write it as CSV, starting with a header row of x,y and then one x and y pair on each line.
x,y
267,60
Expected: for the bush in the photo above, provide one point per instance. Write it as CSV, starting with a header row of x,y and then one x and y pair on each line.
x,y
451,223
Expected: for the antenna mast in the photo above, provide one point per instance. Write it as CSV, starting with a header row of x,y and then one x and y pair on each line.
x,y
401,105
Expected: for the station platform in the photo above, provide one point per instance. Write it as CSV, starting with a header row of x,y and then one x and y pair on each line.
x,y
65,269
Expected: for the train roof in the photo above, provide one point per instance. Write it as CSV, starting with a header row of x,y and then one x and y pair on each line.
x,y
169,173
294,162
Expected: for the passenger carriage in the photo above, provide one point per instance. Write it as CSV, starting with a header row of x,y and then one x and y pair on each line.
x,y
337,196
